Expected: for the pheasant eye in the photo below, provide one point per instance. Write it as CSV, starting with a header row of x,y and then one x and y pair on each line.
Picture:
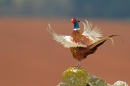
x,y
73,20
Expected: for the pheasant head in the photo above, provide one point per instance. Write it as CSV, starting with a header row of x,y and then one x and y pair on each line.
x,y
76,23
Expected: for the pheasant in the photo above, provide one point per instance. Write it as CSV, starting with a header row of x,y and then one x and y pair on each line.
x,y
81,44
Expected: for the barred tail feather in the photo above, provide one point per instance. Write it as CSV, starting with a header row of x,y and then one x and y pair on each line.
x,y
95,45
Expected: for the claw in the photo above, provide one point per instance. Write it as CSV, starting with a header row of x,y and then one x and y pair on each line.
x,y
78,65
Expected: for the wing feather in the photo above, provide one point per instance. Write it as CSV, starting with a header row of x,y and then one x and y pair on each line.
x,y
94,34
66,41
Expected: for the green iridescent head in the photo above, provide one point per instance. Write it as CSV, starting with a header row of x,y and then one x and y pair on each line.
x,y
76,23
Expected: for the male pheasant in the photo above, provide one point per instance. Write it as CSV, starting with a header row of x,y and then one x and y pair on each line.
x,y
81,44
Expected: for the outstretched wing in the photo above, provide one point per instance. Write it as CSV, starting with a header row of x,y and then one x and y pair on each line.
x,y
66,41
93,34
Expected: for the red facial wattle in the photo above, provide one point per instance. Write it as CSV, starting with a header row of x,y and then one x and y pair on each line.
x,y
73,20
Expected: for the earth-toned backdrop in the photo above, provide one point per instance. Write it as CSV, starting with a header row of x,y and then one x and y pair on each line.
x,y
29,56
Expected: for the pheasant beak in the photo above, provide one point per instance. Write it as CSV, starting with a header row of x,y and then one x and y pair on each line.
x,y
78,20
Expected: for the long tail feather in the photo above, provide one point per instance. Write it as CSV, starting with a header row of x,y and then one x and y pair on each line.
x,y
95,45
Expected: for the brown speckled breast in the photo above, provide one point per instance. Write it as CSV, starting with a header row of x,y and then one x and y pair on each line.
x,y
80,53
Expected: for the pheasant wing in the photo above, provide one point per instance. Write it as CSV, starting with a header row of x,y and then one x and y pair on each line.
x,y
93,34
66,41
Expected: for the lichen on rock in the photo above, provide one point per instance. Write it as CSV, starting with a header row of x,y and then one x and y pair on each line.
x,y
120,83
74,76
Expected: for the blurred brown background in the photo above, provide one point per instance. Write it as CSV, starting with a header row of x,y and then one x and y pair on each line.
x,y
29,56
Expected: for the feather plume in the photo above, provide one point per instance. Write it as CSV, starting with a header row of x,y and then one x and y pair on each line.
x,y
94,34
95,45
66,41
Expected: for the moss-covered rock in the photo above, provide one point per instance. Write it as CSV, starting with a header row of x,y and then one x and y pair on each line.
x,y
96,81
75,76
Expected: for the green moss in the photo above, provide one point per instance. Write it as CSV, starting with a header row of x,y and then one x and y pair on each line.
x,y
75,76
